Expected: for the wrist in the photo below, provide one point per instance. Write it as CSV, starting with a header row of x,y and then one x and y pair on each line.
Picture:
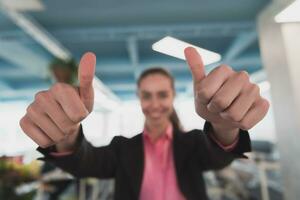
x,y
224,134
69,143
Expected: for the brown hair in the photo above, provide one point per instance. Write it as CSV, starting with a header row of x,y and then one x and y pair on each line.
x,y
158,70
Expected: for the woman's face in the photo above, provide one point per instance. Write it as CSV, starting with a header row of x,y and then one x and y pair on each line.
x,y
156,97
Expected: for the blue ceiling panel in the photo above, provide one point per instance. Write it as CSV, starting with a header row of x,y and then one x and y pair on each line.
x,y
4,65
27,83
70,13
5,23
121,34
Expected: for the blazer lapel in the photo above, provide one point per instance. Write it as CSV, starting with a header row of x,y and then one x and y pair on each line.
x,y
180,152
135,163
135,159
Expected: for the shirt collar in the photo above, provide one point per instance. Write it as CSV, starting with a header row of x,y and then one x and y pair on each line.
x,y
167,134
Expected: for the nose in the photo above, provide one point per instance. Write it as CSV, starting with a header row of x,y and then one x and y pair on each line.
x,y
155,103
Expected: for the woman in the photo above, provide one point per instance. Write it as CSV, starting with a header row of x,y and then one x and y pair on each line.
x,y
161,162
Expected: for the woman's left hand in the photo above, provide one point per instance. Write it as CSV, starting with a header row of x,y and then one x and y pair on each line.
x,y
224,97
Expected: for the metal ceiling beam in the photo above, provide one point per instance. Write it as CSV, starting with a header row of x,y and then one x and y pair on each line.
x,y
99,34
23,5
133,52
153,32
24,57
38,33
240,44
35,63
246,62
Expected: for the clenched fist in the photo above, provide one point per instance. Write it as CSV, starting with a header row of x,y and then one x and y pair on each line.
x,y
224,97
54,116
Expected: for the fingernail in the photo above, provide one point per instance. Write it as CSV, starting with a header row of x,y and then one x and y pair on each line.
x,y
208,106
224,115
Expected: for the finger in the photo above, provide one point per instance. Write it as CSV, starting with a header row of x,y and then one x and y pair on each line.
x,y
205,91
256,113
35,133
241,104
44,123
195,63
86,75
57,114
228,92
69,100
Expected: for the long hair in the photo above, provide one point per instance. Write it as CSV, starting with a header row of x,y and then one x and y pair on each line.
x,y
158,70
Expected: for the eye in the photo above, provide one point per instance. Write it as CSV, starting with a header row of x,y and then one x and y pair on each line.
x,y
146,96
163,95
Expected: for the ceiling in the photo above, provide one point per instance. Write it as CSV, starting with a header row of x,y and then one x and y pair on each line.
x,y
121,33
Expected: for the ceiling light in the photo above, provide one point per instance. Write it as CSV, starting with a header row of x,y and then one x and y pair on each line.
x,y
290,13
174,47
23,5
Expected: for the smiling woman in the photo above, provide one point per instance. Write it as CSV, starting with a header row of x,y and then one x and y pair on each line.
x,y
120,121
163,162
156,91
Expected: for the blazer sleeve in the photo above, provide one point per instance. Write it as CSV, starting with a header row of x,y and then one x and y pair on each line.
x,y
86,160
212,157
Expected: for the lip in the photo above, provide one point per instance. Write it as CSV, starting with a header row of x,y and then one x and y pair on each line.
x,y
155,114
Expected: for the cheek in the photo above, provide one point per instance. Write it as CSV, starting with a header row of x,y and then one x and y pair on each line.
x,y
166,107
145,106
169,109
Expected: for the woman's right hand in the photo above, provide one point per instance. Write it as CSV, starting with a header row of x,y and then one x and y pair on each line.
x,y
55,115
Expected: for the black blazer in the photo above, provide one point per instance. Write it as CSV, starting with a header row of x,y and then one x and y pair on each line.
x,y
123,159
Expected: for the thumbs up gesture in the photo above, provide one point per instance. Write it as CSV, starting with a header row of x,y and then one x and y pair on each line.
x,y
224,97
54,116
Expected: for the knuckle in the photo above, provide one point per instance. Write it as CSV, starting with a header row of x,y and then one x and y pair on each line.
x,y
233,116
58,87
236,118
22,123
79,117
266,104
30,109
25,126
243,75
219,103
255,89
263,104
245,126
225,68
44,143
41,144
204,95
41,96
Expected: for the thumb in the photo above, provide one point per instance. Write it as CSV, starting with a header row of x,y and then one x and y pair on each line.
x,y
86,73
195,63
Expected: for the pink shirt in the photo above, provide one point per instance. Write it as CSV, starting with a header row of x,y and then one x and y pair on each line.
x,y
159,178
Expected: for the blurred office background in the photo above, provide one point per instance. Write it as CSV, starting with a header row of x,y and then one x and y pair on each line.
x,y
249,35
